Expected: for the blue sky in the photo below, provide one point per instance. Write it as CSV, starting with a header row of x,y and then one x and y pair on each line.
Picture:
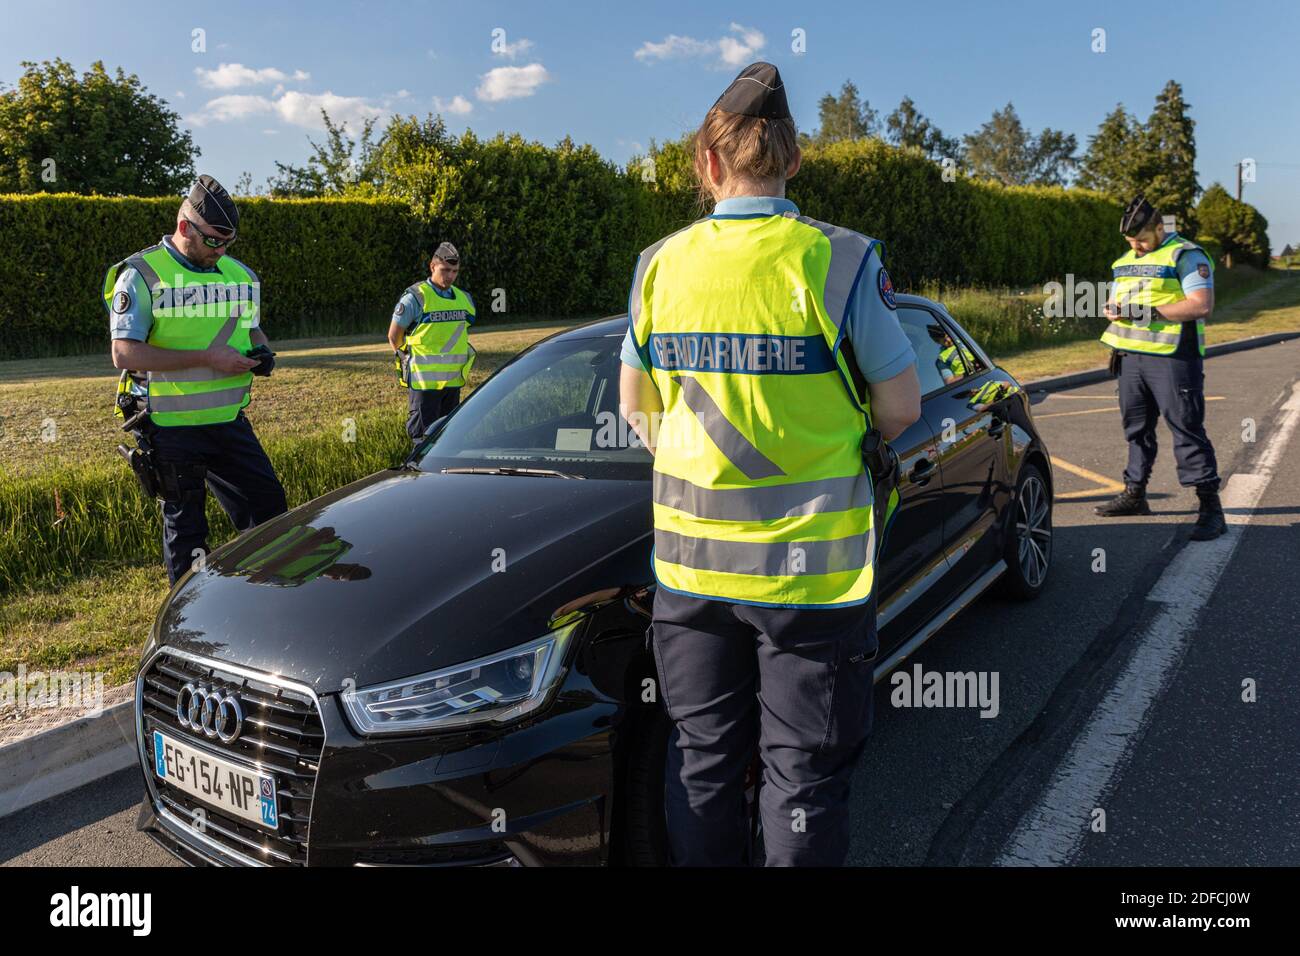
x,y
617,74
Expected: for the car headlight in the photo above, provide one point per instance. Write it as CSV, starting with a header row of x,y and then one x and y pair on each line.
x,y
490,690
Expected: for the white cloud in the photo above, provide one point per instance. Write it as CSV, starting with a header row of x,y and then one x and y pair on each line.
x,y
674,47
511,82
303,109
739,52
457,105
180,95
732,51
235,106
231,76
512,50
297,108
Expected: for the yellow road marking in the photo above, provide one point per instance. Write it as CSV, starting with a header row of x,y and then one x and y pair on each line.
x,y
1112,408
1104,485
1110,396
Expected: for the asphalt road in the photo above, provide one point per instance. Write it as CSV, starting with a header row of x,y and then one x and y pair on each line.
x,y
1121,734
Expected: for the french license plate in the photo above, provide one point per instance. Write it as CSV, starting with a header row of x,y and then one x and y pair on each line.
x,y
239,791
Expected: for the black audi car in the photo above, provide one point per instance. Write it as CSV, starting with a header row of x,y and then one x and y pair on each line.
x,y
445,663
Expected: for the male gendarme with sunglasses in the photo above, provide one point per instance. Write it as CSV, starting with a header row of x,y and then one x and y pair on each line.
x,y
430,334
185,318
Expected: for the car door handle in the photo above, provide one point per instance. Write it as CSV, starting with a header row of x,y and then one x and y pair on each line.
x,y
921,472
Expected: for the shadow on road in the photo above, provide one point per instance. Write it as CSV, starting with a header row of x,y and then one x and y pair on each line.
x,y
30,828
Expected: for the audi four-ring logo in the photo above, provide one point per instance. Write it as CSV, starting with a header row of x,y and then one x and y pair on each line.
x,y
210,710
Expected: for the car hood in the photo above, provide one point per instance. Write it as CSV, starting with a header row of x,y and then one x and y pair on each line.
x,y
406,571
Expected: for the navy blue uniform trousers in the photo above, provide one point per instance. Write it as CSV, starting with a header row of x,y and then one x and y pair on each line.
x,y
427,405
1172,386
795,684
239,475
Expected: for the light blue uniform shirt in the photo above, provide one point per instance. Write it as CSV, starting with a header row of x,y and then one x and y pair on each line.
x,y
409,307
136,320
1189,273
879,345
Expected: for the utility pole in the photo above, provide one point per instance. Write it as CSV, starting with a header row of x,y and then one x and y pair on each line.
x,y
1239,182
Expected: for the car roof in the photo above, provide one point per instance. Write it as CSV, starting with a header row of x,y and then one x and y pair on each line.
x,y
617,324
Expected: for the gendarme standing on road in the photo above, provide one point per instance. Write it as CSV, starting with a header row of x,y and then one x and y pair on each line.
x,y
430,334
185,321
1163,291
748,333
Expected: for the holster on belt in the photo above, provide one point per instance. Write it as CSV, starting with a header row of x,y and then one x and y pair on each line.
x,y
1116,359
174,482
881,462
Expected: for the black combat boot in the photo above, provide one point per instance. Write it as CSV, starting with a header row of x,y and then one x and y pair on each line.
x,y
1131,501
1209,520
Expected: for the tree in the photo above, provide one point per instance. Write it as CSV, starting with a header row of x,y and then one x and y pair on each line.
x,y
1168,147
90,134
1113,162
1238,228
843,117
907,127
335,166
1287,251
1005,151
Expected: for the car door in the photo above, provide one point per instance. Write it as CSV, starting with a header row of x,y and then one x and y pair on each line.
x,y
970,438
911,559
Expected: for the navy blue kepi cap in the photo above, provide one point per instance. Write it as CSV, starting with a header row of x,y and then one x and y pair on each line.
x,y
210,200
1136,216
756,91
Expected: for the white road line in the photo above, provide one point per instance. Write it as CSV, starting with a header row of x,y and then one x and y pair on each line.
x,y
1051,832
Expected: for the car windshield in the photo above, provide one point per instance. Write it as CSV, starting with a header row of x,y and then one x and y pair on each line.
x,y
553,409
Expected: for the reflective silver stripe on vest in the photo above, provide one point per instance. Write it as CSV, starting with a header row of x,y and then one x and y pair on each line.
x,y
203,373
454,340
425,376
146,271
783,559
438,360
1141,335
199,402
735,446
768,503
848,250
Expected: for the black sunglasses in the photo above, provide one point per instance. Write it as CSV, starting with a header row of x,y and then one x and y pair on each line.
x,y
212,242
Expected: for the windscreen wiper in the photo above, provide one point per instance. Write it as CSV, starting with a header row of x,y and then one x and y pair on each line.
x,y
525,472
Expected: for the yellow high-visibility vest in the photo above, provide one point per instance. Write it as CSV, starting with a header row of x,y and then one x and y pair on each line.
x,y
195,310
441,355
1151,281
760,492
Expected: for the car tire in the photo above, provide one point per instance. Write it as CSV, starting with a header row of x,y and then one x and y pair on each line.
x,y
646,833
646,837
1028,549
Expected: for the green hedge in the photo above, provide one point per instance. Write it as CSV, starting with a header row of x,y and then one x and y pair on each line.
x,y
556,229
326,265
964,232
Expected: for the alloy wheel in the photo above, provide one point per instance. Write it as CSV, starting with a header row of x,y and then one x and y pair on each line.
x,y
1034,531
